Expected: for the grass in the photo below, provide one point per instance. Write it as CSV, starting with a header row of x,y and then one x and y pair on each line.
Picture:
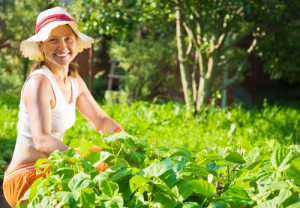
x,y
166,125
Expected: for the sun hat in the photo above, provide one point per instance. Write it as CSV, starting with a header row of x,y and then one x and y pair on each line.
x,y
46,21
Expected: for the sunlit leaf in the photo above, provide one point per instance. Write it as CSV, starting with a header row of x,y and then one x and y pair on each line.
x,y
280,159
234,157
162,200
203,187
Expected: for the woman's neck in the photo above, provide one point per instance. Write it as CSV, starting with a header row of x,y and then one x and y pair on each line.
x,y
60,73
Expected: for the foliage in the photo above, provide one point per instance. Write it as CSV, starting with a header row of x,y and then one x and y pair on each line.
x,y
9,84
217,37
232,153
145,63
17,19
137,40
278,45
121,20
142,175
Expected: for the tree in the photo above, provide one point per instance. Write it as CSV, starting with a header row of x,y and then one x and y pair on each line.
x,y
208,38
214,38
133,30
278,44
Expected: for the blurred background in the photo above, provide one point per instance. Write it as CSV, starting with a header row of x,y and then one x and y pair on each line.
x,y
190,51
218,61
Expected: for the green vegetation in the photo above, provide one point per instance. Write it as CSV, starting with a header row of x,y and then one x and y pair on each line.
x,y
223,156
210,43
220,157
143,175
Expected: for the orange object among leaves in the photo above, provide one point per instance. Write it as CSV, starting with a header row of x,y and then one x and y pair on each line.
x,y
102,166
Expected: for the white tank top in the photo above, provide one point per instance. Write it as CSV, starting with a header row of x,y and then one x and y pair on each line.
x,y
62,115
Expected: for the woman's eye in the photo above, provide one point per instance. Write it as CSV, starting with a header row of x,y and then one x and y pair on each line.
x,y
52,40
69,39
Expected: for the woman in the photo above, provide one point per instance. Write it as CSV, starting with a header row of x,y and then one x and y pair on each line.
x,y
49,98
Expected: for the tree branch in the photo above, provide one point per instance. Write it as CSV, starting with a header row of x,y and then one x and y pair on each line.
x,y
234,78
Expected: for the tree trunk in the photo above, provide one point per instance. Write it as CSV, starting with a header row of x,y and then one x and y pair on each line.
x,y
201,93
183,75
224,91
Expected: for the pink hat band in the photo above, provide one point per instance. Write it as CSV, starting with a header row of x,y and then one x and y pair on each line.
x,y
51,18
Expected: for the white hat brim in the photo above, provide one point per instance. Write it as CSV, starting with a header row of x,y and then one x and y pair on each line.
x,y
30,48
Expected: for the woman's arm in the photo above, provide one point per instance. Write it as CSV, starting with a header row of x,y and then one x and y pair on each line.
x,y
37,95
90,109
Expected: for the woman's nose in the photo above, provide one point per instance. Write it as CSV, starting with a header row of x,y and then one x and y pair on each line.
x,y
62,44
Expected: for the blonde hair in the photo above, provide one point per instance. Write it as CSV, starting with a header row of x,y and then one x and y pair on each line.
x,y
73,68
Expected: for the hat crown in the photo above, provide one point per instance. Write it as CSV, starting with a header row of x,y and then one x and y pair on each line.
x,y
52,11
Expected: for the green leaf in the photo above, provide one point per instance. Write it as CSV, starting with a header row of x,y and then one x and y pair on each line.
x,y
115,202
219,204
237,196
109,189
22,204
279,185
169,177
136,182
34,188
280,159
203,187
191,205
162,200
182,190
66,197
157,169
192,171
87,197
283,195
97,157
212,167
252,158
74,143
234,157
160,184
116,137
85,146
65,173
47,201
120,172
79,181
267,204
294,171
295,205
42,163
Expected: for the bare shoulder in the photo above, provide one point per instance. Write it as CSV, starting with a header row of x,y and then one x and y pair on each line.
x,y
36,82
79,79
37,85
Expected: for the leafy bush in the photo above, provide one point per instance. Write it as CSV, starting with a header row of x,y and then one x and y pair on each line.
x,y
143,175
237,152
145,63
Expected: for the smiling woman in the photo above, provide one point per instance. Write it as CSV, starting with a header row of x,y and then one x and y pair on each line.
x,y
49,98
60,48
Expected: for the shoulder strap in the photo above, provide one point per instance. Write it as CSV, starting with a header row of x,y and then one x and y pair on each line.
x,y
75,87
45,72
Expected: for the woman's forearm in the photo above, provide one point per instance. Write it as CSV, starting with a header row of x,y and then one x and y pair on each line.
x,y
47,144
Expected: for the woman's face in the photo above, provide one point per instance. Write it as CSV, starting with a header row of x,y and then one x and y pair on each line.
x,y
60,48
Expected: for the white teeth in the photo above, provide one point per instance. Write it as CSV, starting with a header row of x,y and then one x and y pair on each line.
x,y
62,55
